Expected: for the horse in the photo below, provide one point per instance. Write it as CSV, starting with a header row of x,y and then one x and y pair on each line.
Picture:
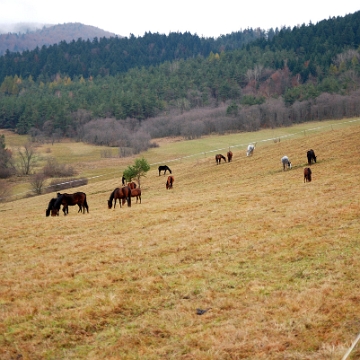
x,y
307,174
50,207
132,185
136,193
78,198
229,155
123,193
285,162
170,182
164,168
123,181
311,156
250,150
218,158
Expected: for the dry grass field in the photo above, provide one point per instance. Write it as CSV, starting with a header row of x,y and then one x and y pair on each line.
x,y
275,259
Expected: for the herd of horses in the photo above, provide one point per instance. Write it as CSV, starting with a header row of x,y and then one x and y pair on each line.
x,y
126,192
286,163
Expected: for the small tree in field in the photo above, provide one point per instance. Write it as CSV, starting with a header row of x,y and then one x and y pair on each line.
x,y
139,169
27,158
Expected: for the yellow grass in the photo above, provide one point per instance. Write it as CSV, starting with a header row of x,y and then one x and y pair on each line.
x,y
276,260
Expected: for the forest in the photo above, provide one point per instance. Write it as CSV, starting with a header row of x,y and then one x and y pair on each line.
x,y
126,91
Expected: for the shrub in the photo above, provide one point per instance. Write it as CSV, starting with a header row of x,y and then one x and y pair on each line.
x,y
54,169
37,182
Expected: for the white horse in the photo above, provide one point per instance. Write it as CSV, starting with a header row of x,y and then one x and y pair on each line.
x,y
250,150
286,162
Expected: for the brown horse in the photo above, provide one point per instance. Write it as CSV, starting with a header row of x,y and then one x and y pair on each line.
x,y
169,182
66,200
132,185
229,155
136,193
307,174
123,193
218,158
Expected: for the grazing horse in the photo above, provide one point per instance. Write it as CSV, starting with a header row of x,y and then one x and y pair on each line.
x,y
170,182
229,155
164,168
311,156
123,193
307,174
132,185
285,162
50,207
78,198
250,150
218,158
136,193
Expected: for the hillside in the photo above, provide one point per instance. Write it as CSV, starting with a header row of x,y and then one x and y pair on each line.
x,y
274,258
49,35
238,82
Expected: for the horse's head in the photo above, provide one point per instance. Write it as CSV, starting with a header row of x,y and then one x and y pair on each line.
x,y
109,204
54,212
47,212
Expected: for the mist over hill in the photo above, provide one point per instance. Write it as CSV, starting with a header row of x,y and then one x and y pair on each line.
x,y
27,36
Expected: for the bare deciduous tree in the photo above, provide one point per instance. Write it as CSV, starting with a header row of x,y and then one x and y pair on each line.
x,y
27,157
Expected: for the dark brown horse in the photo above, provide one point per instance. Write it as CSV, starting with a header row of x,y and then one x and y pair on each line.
x,y
136,193
123,193
66,200
132,185
218,158
307,174
229,155
170,182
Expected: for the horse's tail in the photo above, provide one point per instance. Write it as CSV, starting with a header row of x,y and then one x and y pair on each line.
x,y
128,198
86,204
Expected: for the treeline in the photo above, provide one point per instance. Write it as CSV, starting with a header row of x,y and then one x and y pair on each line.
x,y
110,56
285,76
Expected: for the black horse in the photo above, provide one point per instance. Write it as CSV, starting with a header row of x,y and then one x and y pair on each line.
x,y
50,207
311,156
78,198
164,168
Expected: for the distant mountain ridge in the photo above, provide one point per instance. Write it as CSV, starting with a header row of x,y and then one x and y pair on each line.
x,y
49,35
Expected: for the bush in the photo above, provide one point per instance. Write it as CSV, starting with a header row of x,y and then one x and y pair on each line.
x,y
54,169
37,183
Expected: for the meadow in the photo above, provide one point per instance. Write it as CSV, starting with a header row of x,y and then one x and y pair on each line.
x,y
273,259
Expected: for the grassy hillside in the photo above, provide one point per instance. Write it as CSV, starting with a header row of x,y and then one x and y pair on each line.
x,y
276,259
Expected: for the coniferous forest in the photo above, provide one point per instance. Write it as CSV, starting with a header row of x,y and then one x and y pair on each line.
x,y
181,84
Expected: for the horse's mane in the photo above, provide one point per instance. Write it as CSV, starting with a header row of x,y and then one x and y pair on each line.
x,y
112,195
58,201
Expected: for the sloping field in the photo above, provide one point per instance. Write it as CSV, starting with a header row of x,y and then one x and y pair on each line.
x,y
275,259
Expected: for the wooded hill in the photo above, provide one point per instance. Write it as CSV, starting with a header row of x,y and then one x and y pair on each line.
x,y
156,84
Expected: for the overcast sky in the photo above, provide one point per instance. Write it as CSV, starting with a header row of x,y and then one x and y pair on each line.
x,y
205,18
